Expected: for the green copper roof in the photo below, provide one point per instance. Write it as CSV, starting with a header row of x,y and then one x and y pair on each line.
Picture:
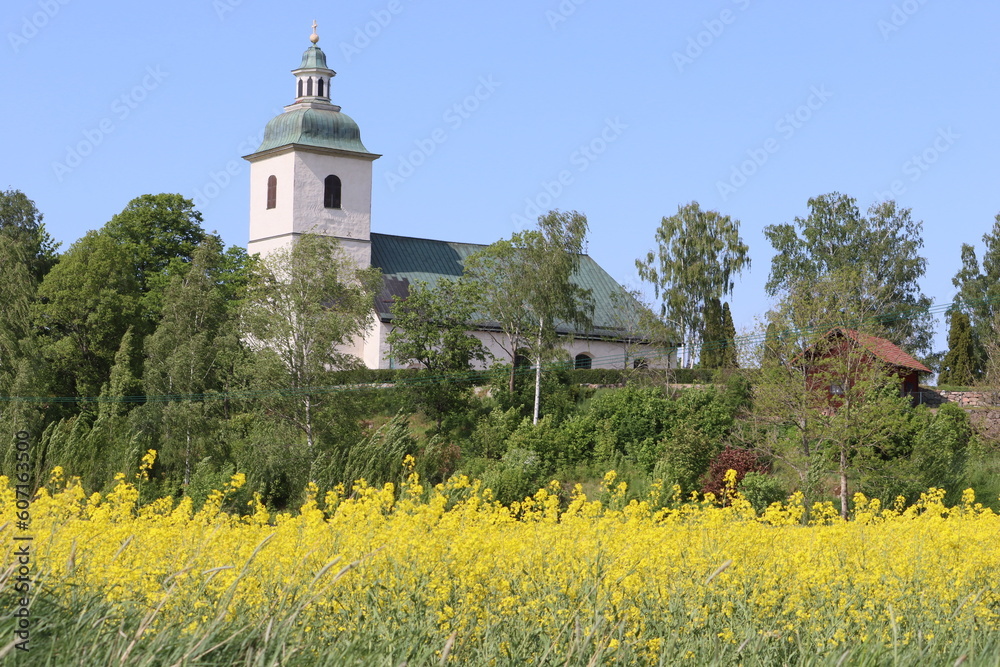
x,y
405,260
323,128
313,58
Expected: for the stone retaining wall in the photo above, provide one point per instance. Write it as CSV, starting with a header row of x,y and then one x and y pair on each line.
x,y
965,399
983,407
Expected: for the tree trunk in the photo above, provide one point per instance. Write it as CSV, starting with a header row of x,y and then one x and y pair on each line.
x,y
513,365
187,459
538,373
309,434
843,482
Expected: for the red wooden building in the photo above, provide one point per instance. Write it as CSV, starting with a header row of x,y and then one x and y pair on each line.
x,y
862,352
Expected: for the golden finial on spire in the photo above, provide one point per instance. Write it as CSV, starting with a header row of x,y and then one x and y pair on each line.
x,y
314,37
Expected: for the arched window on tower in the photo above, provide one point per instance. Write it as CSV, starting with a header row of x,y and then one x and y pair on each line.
x,y
319,85
300,87
331,192
583,361
309,87
272,191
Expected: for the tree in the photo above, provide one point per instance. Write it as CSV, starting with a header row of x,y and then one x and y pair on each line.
x,y
430,327
87,302
22,368
960,361
821,398
305,306
729,351
881,251
528,288
155,231
183,356
718,348
698,255
979,293
22,231
712,335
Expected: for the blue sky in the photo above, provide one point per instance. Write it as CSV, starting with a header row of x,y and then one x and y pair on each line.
x,y
482,111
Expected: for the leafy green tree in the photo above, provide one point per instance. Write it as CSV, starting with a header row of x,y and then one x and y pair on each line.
x,y
881,250
729,351
184,357
431,328
528,289
698,255
822,400
27,253
23,233
772,346
87,302
498,269
959,363
124,385
155,231
712,335
306,306
23,371
979,293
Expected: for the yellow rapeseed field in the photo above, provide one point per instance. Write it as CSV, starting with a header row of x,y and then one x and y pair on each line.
x,y
655,581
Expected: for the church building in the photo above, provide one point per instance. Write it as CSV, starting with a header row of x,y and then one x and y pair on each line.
x,y
312,174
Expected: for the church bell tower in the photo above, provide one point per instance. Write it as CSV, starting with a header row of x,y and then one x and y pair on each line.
x,y
311,173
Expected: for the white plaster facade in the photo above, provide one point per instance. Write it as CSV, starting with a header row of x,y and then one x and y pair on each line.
x,y
603,353
301,173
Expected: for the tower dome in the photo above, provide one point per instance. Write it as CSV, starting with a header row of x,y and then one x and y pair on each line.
x,y
312,120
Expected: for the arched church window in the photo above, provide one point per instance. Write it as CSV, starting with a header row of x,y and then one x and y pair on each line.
x,y
272,191
300,87
319,84
583,361
309,87
331,192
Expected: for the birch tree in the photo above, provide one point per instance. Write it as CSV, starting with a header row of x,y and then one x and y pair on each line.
x,y
698,255
528,291
305,305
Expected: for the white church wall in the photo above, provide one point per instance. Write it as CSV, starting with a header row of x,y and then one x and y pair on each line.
x,y
604,354
265,223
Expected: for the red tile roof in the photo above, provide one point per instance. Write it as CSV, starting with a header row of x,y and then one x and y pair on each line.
x,y
883,349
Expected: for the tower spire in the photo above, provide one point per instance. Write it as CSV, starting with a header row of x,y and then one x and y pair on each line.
x,y
313,76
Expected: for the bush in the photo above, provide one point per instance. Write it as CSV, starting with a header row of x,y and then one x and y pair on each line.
x,y
743,461
519,474
492,431
761,490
